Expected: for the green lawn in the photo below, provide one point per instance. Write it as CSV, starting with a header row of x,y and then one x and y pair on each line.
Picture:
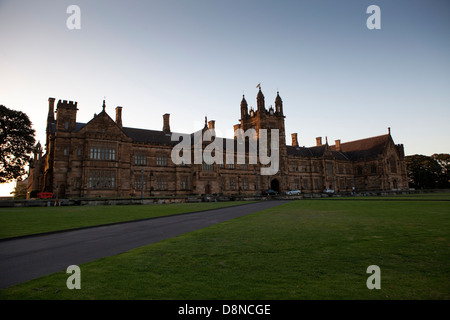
x,y
24,221
307,249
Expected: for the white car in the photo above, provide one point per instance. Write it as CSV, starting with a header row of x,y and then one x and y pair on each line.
x,y
294,192
329,191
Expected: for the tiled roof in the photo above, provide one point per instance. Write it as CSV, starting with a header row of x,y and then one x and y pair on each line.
x,y
364,148
363,144
148,136
353,150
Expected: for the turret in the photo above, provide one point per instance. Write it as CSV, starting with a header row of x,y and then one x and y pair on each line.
x,y
260,101
244,108
66,115
278,104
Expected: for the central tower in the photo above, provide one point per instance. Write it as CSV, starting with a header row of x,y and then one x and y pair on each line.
x,y
261,118
270,119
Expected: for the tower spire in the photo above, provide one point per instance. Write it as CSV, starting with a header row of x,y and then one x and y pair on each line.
x,y
260,100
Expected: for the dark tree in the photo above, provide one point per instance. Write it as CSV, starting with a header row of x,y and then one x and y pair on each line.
x,y
423,171
444,176
16,143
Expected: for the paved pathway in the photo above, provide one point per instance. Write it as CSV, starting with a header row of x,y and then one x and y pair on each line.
x,y
31,257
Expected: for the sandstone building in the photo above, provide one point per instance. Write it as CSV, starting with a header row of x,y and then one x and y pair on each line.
x,y
103,158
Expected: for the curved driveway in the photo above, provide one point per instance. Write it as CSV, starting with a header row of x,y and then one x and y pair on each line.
x,y
31,257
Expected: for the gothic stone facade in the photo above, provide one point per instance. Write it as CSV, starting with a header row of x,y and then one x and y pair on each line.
x,y
102,158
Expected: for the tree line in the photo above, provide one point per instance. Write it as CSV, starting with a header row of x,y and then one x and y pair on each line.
x,y
428,172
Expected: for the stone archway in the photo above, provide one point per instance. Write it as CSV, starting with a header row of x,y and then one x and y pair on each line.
x,y
207,189
275,185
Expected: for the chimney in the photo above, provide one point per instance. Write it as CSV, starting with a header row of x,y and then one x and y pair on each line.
x,y
294,140
212,124
166,123
236,127
338,145
51,110
119,116
318,141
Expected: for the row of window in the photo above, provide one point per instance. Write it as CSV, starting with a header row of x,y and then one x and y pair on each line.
x,y
316,184
106,179
108,153
102,179
359,169
316,168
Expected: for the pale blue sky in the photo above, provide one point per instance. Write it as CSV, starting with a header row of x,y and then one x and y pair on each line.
x,y
193,58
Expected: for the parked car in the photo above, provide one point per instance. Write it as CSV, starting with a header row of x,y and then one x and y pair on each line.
x,y
329,191
270,192
294,192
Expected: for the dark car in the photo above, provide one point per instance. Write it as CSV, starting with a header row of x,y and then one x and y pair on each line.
x,y
270,192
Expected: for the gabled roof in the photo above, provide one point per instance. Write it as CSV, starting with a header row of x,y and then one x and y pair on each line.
x,y
353,150
363,144
364,148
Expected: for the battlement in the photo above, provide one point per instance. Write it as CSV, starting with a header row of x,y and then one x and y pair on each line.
x,y
67,104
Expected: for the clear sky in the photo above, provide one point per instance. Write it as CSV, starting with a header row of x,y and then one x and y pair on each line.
x,y
195,58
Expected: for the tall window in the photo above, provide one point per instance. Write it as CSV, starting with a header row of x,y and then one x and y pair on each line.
x,y
373,168
207,167
296,184
232,184
393,165
137,182
329,168
316,184
161,183
102,151
245,184
184,183
102,179
161,160
305,184
140,159
359,170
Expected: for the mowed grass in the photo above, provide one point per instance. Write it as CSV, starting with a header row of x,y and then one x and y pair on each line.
x,y
25,221
307,249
